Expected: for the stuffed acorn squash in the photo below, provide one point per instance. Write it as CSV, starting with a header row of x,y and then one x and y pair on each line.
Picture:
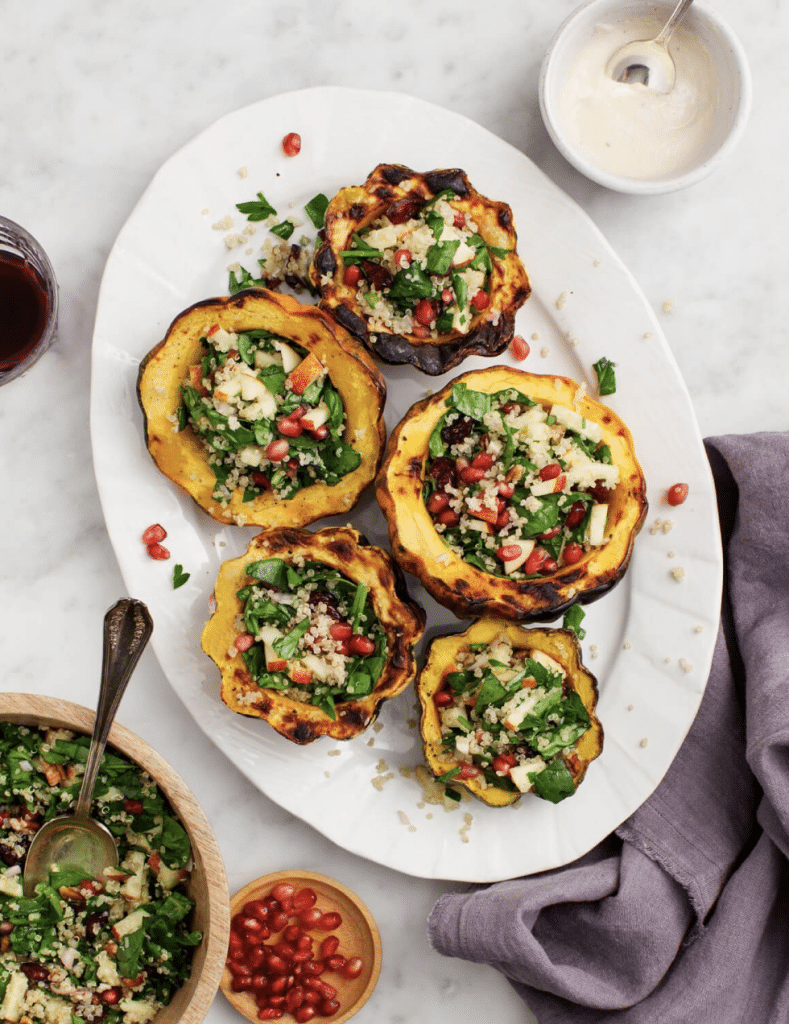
x,y
265,411
508,710
512,494
312,631
421,268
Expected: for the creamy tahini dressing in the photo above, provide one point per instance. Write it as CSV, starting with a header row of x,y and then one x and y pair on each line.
x,y
632,131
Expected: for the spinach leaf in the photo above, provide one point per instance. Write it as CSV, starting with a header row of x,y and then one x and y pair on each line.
x,y
275,572
573,618
284,229
287,645
475,404
257,209
440,256
316,209
411,283
554,782
606,376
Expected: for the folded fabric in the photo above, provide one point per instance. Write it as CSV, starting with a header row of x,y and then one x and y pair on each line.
x,y
683,914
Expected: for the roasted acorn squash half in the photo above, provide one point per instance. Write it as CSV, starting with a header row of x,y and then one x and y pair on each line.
x,y
548,702
354,577
573,544
313,349
454,292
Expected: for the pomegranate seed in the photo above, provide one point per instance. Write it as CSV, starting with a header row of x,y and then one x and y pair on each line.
x,y
506,489
550,565
551,471
328,1007
319,433
443,699
277,450
334,962
352,275
361,645
269,1013
244,642
290,428
483,460
468,771
481,300
519,347
154,534
503,519
278,920
471,474
677,494
572,553
306,897
503,762
282,890
158,552
447,296
329,946
310,918
402,258
331,920
550,534
337,631
437,502
425,312
460,220
448,517
304,1013
258,909
535,560
507,552
291,144
352,967
133,806
420,332
576,514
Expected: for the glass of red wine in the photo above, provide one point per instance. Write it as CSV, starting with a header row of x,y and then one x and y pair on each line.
x,y
28,301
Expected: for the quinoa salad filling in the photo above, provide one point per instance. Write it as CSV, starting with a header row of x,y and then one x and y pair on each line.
x,y
310,632
113,949
510,720
268,415
421,269
516,489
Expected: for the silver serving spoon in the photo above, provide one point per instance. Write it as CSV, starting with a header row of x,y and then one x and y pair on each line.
x,y
78,840
647,61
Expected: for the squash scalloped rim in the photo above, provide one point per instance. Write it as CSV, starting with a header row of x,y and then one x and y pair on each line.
x,y
402,619
470,592
181,455
560,644
356,207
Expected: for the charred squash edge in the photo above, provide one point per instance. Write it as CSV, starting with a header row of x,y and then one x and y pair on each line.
x,y
467,591
560,644
180,455
343,548
354,208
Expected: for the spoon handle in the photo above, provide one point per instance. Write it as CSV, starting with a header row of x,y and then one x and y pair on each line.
x,y
127,629
673,21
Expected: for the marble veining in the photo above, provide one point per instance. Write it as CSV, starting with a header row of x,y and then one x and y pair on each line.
x,y
93,98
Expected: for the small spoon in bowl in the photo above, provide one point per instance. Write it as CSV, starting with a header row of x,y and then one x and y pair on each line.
x,y
647,61
77,840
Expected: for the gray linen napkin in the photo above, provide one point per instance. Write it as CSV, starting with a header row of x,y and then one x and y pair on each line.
x,y
683,914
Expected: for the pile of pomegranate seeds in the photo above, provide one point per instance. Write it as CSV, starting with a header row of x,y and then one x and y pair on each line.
x,y
152,538
285,975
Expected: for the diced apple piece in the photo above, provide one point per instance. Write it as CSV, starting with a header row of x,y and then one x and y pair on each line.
x,y
526,546
290,357
529,698
548,662
317,667
229,388
597,520
129,924
521,772
308,371
314,418
574,421
274,663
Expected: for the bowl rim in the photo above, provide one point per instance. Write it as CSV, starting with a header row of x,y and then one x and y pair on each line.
x,y
635,186
209,958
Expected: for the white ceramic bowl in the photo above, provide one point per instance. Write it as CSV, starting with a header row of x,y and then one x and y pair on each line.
x,y
730,67
207,885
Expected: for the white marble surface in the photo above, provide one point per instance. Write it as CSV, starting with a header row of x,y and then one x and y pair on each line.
x,y
93,98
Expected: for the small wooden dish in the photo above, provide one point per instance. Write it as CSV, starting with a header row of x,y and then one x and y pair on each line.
x,y
207,884
358,935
